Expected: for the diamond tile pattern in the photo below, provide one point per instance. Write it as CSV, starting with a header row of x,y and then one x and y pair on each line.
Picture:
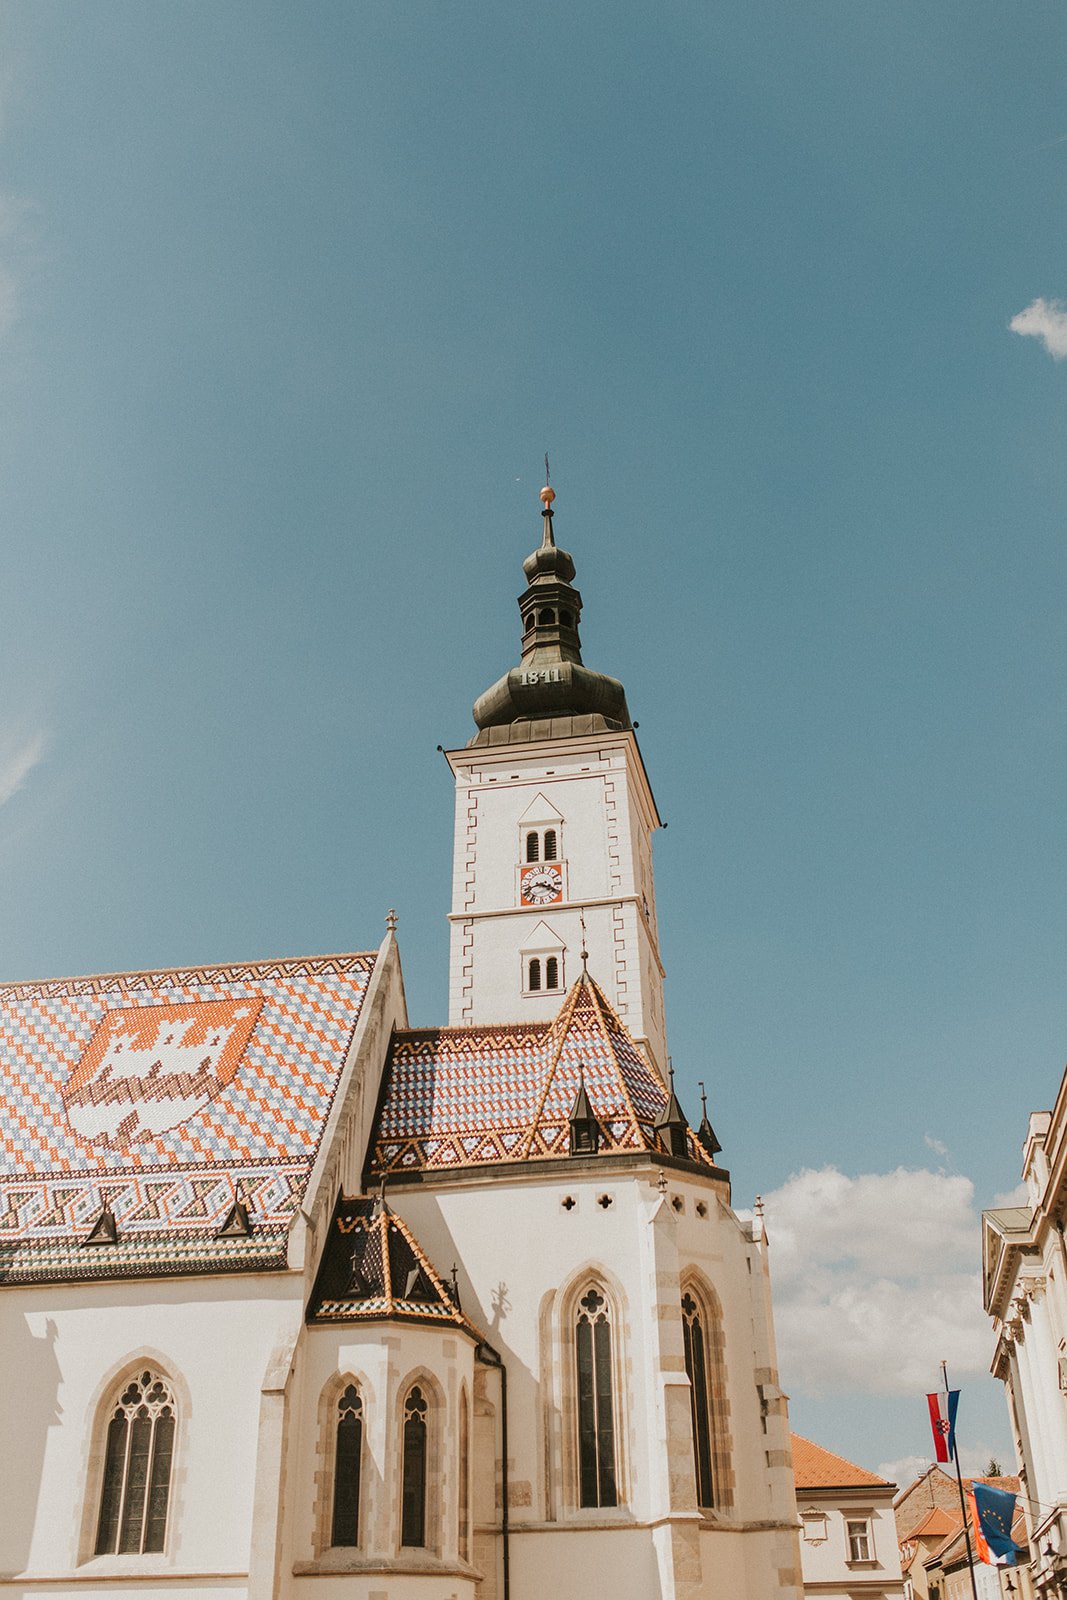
x,y
459,1097
157,1094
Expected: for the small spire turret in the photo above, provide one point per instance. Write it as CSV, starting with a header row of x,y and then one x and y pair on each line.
x,y
670,1126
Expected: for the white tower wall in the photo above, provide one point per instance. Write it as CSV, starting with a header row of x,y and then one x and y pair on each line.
x,y
597,787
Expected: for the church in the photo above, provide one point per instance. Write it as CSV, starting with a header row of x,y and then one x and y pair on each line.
x,y
298,1302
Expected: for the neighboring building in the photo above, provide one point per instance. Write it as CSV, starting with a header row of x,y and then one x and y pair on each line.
x,y
933,1547
300,1303
1024,1269
848,1534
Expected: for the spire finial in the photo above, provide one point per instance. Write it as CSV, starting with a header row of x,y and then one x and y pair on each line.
x,y
703,1097
584,951
670,1071
391,919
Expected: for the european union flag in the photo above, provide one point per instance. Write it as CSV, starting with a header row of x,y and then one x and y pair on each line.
x,y
996,1511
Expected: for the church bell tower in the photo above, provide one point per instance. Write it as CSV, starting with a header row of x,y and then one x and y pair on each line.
x,y
553,834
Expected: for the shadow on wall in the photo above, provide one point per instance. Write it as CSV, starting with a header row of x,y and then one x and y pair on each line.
x,y
28,1408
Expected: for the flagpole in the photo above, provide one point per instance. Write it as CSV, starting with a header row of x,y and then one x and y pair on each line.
x,y
963,1501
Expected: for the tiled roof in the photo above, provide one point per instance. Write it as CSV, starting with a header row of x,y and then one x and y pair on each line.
x,y
373,1268
461,1097
161,1096
935,1525
816,1468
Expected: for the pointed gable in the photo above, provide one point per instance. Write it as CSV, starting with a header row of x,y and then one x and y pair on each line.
x,y
539,811
374,1269
458,1097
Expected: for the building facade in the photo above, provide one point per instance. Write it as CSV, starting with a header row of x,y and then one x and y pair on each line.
x,y
848,1533
1024,1265
305,1303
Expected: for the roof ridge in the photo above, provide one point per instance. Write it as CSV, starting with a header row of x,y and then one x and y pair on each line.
x,y
267,964
601,1003
559,1027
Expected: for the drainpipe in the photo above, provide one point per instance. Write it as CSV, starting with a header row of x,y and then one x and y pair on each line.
x,y
491,1358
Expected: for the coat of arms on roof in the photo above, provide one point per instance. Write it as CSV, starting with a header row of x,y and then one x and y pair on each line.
x,y
148,1069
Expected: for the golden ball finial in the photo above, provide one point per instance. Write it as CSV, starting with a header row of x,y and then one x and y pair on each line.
x,y
548,494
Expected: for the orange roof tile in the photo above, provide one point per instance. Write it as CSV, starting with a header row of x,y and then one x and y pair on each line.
x,y
816,1468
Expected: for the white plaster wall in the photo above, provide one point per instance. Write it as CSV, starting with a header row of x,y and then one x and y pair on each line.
x,y
825,1566
518,1248
60,1345
385,1358
599,788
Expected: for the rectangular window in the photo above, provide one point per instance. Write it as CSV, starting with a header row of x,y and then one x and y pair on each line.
x,y
859,1539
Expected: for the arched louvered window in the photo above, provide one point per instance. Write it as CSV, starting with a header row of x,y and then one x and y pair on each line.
x,y
534,974
550,844
552,972
696,1366
413,1510
137,1461
347,1460
533,847
464,1478
547,619
596,1411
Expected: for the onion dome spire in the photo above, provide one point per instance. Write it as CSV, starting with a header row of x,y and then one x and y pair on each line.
x,y
550,693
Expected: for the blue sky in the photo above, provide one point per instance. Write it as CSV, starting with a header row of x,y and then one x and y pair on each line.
x,y
292,301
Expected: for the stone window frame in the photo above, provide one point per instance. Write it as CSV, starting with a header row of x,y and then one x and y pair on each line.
x,y
326,1451
723,1476
437,1479
464,1479
94,1456
563,1483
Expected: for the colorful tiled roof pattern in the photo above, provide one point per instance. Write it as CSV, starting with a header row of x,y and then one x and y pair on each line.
x,y
461,1097
373,1268
160,1095
817,1468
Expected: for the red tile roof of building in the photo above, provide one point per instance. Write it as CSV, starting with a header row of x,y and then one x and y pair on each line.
x,y
817,1468
157,1098
471,1096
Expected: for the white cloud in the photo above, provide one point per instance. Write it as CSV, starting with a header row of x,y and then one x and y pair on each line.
x,y
1045,320
876,1281
973,1459
19,754
936,1145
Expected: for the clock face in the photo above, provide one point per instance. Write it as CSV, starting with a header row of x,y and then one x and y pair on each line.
x,y
540,885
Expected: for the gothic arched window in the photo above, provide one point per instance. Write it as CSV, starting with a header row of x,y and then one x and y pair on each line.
x,y
552,972
596,1410
696,1367
137,1462
550,844
347,1459
705,1368
534,974
464,1478
413,1509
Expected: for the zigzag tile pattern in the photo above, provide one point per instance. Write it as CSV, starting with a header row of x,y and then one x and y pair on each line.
x,y
256,1122
461,1097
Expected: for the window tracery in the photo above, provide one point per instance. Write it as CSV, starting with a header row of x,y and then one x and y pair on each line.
x,y
413,1509
348,1459
138,1454
703,1344
596,1406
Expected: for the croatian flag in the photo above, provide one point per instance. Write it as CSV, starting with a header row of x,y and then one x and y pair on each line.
x,y
943,1421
